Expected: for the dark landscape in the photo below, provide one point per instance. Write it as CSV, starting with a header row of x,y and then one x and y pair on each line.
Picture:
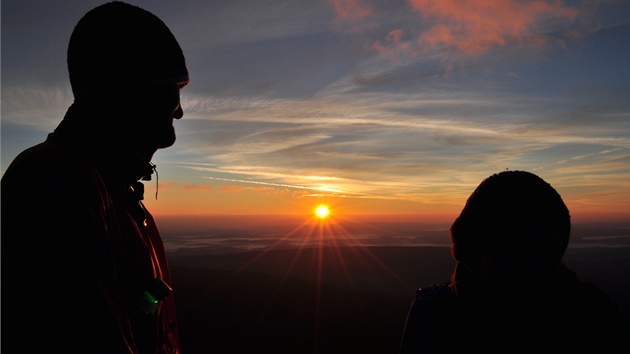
x,y
329,299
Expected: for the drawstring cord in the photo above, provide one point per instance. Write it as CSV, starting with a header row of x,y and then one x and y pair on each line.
x,y
147,177
157,179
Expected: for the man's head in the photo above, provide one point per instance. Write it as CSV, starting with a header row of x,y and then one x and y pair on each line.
x,y
118,47
125,61
513,219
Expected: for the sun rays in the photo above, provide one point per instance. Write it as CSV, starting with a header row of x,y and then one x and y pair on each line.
x,y
324,251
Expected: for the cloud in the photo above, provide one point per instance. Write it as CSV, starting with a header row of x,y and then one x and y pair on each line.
x,y
587,156
267,184
271,140
474,26
469,28
216,24
385,146
393,44
354,15
352,9
197,187
35,106
232,188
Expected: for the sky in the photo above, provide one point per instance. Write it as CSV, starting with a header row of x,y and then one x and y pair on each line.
x,y
390,107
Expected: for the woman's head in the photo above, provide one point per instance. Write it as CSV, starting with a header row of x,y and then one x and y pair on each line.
x,y
513,219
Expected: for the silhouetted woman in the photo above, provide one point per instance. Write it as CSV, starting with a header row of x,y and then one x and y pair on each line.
x,y
510,291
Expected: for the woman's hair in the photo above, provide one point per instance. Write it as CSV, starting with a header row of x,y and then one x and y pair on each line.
x,y
512,203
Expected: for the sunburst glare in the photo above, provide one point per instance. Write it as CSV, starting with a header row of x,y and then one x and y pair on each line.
x,y
322,211
322,250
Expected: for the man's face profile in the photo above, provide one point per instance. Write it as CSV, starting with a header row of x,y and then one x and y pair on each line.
x,y
148,117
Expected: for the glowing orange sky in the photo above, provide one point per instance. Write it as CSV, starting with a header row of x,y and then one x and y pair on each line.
x,y
256,201
377,107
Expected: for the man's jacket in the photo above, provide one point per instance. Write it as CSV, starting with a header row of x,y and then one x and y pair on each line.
x,y
81,257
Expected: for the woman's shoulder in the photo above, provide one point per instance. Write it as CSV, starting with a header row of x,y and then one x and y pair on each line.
x,y
436,292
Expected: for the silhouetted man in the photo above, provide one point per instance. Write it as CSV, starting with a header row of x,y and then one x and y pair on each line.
x,y
510,291
83,264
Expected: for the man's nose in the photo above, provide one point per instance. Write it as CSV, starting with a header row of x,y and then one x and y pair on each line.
x,y
179,113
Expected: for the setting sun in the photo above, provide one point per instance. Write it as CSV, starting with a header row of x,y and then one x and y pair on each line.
x,y
322,211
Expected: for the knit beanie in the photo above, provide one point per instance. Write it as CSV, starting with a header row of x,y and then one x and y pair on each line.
x,y
117,46
509,203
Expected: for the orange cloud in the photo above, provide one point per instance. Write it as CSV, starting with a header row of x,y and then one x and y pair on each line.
x,y
474,26
262,189
163,185
232,188
198,187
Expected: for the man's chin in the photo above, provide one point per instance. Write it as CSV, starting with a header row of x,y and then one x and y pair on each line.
x,y
167,141
166,144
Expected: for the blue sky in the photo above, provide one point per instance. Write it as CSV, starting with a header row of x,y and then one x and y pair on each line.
x,y
391,106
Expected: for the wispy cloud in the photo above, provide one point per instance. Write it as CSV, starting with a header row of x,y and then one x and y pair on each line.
x,y
40,107
395,101
381,146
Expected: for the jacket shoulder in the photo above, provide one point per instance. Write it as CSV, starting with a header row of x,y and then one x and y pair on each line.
x,y
434,292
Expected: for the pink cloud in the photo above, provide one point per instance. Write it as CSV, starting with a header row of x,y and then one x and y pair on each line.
x,y
394,43
474,26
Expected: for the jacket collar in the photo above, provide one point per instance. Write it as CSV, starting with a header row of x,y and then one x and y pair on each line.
x,y
101,141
